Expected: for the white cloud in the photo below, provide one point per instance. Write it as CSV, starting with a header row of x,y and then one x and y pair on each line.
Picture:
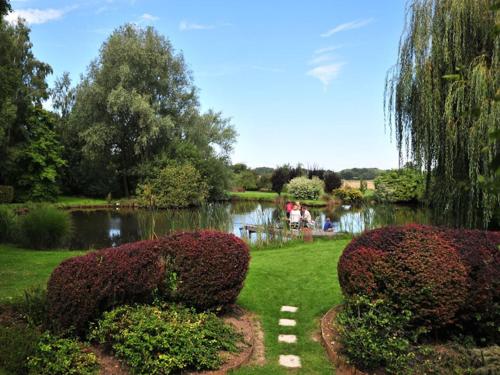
x,y
326,73
320,59
320,51
186,26
149,17
347,26
35,16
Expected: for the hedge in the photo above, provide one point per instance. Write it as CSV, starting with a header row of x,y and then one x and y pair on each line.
x,y
413,266
443,276
201,269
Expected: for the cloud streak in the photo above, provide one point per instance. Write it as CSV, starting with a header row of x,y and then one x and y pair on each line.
x,y
35,16
188,26
347,26
326,73
146,17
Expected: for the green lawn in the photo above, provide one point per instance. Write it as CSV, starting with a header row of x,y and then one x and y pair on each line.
x,y
21,269
302,275
299,274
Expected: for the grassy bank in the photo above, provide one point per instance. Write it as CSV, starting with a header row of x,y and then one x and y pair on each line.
x,y
299,274
261,196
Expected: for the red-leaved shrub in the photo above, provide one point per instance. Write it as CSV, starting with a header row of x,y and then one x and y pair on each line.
x,y
210,267
415,267
204,269
481,256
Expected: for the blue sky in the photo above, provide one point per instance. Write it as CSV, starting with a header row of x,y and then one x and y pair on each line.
x,y
302,81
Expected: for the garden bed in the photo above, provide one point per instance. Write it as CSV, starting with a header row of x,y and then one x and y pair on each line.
x,y
331,342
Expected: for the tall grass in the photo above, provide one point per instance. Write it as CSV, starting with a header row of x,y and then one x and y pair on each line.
x,y
45,227
8,224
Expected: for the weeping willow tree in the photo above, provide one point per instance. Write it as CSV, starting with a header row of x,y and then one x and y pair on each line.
x,y
440,102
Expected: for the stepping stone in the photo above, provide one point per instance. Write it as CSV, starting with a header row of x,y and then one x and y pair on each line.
x,y
287,322
291,309
291,361
289,339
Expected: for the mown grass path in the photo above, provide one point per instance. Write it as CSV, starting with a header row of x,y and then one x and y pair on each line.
x,y
302,275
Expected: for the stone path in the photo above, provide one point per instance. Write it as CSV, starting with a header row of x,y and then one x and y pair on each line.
x,y
289,361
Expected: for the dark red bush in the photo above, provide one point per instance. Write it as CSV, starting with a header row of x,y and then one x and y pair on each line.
x,y
415,267
481,256
210,267
81,288
204,269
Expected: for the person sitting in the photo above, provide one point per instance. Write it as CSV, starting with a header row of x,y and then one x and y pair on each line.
x,y
306,217
295,217
328,227
288,208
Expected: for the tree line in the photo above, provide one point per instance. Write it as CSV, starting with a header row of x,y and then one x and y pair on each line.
x,y
133,113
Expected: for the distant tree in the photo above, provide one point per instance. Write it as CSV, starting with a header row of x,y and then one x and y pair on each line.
x,y
280,177
332,181
400,186
239,167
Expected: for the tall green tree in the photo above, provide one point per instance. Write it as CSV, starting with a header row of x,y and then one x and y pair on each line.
x,y
36,162
440,101
136,110
26,131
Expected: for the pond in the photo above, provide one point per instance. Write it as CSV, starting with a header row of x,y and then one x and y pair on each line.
x,y
95,229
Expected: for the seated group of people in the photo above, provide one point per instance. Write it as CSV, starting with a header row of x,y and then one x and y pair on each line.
x,y
299,216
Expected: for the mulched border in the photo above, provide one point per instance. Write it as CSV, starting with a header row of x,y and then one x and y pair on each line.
x,y
242,321
330,340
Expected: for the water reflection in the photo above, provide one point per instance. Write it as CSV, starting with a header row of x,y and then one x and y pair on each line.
x,y
104,228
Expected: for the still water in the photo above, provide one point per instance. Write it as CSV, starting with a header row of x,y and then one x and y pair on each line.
x,y
104,228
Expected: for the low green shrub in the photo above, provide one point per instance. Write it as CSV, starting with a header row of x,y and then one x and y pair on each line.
x,y
400,185
6,194
45,227
60,356
349,195
164,340
17,343
8,224
174,186
304,188
374,336
33,306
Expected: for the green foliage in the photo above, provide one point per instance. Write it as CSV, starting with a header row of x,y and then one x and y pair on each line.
x,y
363,186
33,306
137,110
244,178
374,336
6,194
17,343
174,186
441,101
36,162
164,340
279,178
22,90
45,227
59,356
349,195
303,188
400,185
8,224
